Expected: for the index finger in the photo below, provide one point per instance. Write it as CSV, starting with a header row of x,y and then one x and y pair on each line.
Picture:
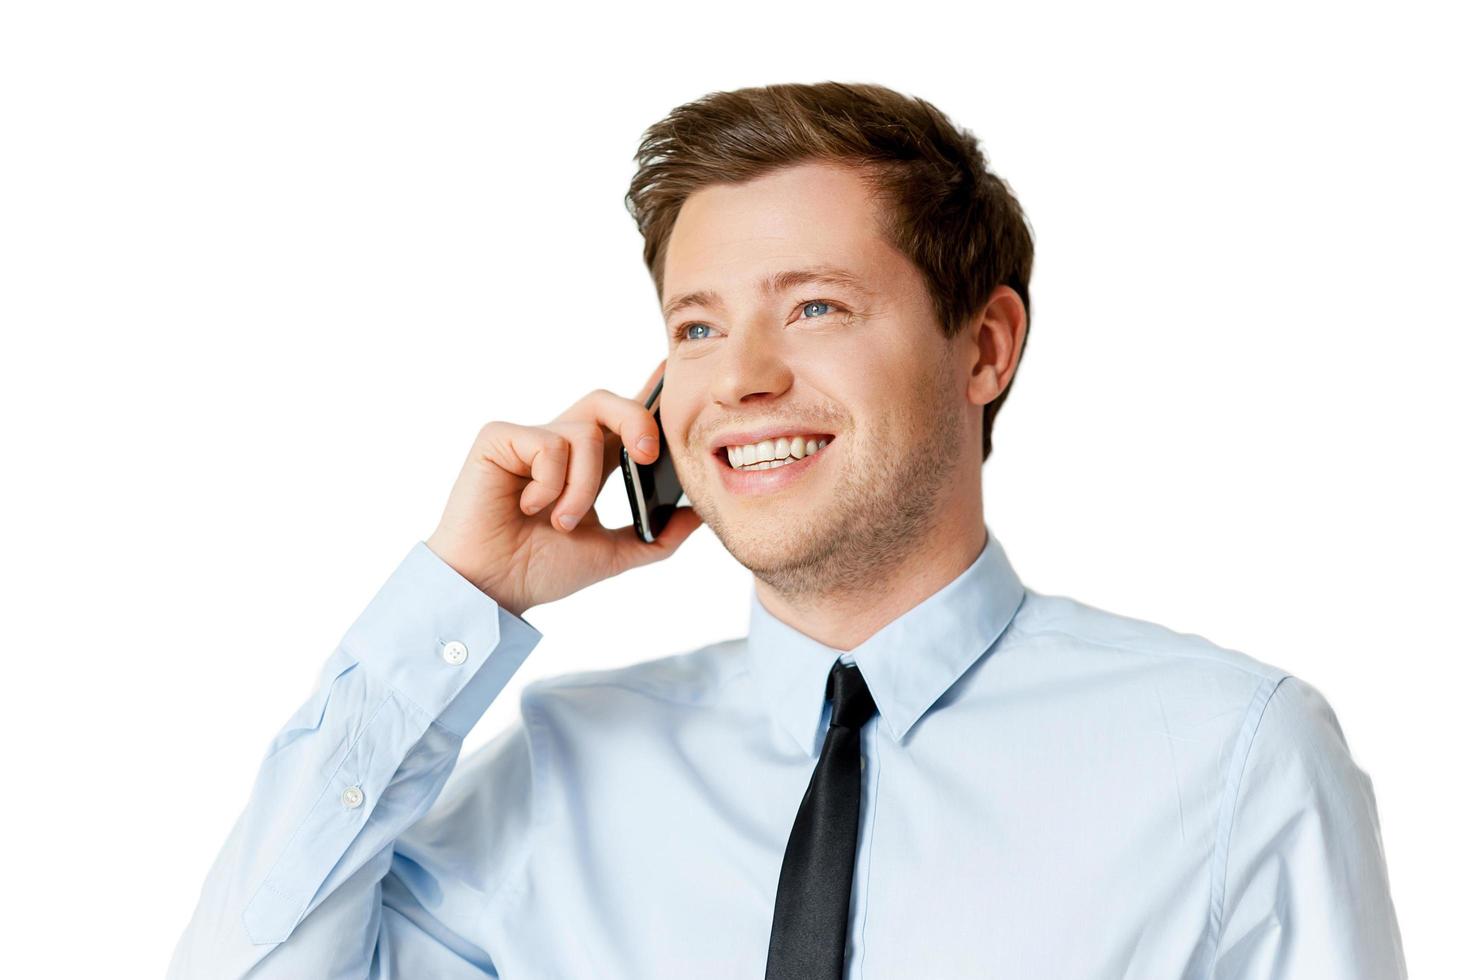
x,y
625,418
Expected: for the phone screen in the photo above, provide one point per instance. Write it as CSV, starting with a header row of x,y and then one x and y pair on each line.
x,y
654,489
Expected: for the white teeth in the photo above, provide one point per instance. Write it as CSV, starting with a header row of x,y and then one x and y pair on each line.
x,y
759,456
775,449
769,464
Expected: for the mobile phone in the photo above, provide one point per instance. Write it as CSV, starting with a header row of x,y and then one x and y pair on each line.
x,y
654,489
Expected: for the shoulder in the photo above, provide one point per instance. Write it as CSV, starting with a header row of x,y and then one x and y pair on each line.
x,y
1279,742
691,678
1284,740
1135,667
1055,621
591,710
1297,737
1283,721
1281,712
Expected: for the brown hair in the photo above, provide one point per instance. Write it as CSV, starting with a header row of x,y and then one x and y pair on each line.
x,y
959,224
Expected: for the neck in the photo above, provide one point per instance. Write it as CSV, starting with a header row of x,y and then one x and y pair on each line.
x,y
844,620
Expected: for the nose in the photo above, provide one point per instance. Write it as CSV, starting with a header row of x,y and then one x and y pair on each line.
x,y
752,369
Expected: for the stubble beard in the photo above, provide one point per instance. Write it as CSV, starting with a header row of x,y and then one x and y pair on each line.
x,y
881,508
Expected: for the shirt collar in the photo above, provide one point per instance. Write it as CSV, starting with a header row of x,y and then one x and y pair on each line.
x,y
908,664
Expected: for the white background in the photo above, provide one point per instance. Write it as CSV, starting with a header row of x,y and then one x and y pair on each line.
x,y
265,269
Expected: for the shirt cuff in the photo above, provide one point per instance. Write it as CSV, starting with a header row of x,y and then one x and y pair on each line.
x,y
438,641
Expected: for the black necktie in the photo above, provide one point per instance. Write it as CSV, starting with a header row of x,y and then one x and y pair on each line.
x,y
811,920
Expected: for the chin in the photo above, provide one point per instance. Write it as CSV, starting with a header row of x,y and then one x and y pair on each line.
x,y
768,546
751,549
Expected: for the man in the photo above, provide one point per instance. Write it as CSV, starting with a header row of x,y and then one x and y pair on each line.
x,y
913,766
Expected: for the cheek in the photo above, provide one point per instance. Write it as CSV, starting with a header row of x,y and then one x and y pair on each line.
x,y
861,384
675,419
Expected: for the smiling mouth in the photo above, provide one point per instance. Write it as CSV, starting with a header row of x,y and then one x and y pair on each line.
x,y
725,460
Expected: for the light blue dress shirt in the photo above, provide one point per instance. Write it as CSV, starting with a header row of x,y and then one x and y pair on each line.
x,y
1049,791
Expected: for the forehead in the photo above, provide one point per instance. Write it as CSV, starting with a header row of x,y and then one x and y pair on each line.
x,y
728,236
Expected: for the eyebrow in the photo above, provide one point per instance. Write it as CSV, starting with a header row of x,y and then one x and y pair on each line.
x,y
778,282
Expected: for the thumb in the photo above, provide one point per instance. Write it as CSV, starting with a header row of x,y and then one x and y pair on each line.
x,y
629,550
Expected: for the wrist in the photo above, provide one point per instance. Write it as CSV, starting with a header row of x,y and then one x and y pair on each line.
x,y
462,567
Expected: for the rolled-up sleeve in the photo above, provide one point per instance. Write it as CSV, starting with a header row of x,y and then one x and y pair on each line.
x,y
297,889
1305,891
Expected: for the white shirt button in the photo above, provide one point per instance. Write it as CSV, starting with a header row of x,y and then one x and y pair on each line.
x,y
454,653
352,797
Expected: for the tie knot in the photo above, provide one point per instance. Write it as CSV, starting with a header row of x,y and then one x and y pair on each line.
x,y
853,705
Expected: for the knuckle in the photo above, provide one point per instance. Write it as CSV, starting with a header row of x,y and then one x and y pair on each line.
x,y
592,397
577,493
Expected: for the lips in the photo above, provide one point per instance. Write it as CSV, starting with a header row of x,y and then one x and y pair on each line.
x,y
760,483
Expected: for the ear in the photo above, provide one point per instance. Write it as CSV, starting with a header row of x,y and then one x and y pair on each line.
x,y
994,341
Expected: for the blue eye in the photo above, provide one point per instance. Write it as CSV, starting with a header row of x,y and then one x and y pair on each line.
x,y
680,331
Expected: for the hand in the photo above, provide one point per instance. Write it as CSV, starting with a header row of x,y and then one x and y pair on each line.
x,y
502,528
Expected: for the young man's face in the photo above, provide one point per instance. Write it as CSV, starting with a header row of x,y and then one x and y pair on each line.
x,y
865,366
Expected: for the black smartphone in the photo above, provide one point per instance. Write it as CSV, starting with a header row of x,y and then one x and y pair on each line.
x,y
654,490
